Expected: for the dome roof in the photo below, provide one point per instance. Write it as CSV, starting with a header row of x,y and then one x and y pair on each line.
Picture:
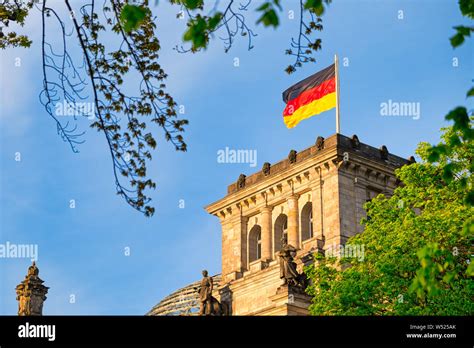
x,y
184,301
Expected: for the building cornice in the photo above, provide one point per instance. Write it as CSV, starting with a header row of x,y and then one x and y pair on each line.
x,y
332,153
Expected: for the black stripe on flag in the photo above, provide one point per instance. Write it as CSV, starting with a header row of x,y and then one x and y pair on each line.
x,y
309,82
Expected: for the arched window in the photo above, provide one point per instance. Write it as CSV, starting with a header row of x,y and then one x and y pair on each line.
x,y
307,221
255,243
281,229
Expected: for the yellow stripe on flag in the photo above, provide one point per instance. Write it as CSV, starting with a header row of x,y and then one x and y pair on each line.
x,y
314,108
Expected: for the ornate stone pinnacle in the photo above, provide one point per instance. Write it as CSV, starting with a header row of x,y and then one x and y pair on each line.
x,y
31,293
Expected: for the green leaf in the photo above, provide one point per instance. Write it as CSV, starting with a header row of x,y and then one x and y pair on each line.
x,y
310,4
214,21
265,6
277,3
462,32
470,268
269,18
193,4
467,8
132,16
199,29
465,31
433,155
315,6
448,172
470,198
460,117
457,40
470,93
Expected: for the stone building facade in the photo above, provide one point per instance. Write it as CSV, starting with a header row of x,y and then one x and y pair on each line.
x,y
315,197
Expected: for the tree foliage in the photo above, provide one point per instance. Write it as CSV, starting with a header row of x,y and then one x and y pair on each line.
x,y
417,245
230,22
124,115
462,31
14,12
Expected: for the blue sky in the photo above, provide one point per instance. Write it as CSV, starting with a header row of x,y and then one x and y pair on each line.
x,y
81,250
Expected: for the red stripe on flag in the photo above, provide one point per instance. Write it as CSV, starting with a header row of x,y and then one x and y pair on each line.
x,y
326,87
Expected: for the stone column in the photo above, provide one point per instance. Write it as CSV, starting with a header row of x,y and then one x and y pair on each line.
x,y
227,248
240,242
293,221
317,211
331,200
360,193
31,293
266,233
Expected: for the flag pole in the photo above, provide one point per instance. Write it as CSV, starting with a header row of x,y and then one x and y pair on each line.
x,y
338,124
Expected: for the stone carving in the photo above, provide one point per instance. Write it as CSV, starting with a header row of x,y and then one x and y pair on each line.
x,y
355,142
288,271
208,303
266,169
31,293
241,181
320,143
33,271
292,156
384,152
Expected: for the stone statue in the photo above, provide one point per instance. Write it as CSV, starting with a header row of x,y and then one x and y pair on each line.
x,y
320,143
208,304
205,294
31,293
266,168
33,271
384,152
288,271
292,156
355,142
241,181
23,305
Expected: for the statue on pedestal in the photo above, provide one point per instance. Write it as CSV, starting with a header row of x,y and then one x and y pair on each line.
x,y
205,294
208,304
288,271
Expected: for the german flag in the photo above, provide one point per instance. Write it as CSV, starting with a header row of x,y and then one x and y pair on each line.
x,y
310,96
